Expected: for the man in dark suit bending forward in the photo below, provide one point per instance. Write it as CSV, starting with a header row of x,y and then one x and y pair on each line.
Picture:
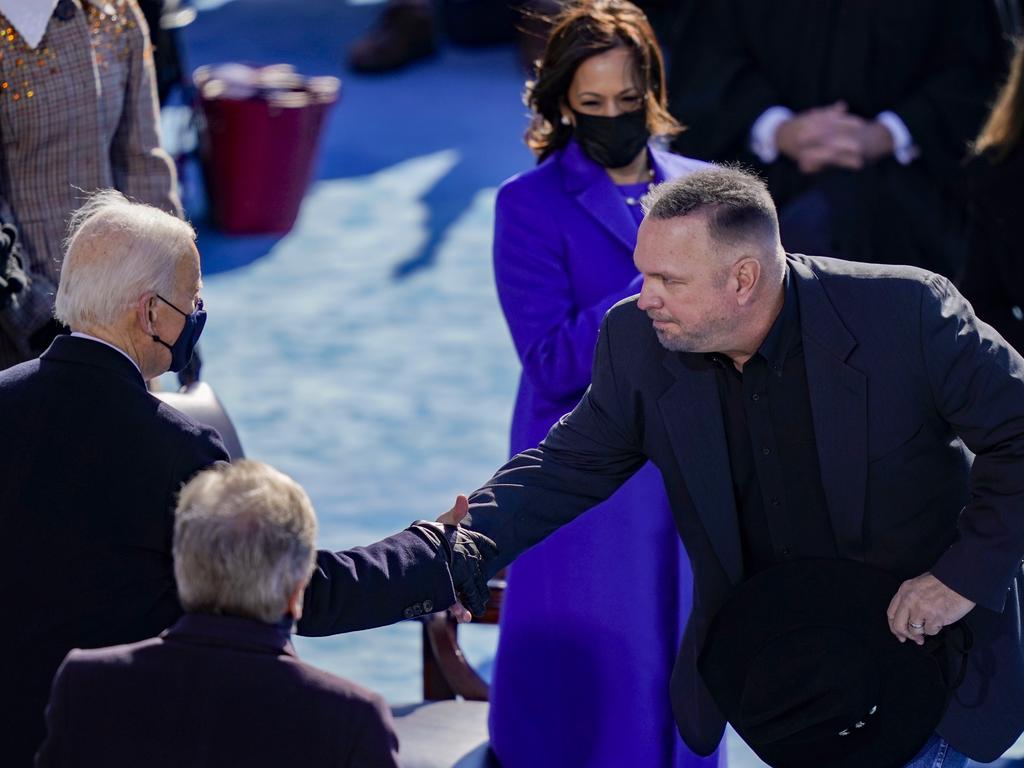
x,y
799,407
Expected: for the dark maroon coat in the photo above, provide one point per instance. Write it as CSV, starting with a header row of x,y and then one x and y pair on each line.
x,y
211,691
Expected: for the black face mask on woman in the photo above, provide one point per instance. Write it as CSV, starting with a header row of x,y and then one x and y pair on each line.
x,y
613,142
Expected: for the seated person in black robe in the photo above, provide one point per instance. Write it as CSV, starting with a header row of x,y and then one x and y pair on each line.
x,y
857,112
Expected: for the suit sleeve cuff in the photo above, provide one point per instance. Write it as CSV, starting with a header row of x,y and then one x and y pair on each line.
x,y
904,149
762,133
958,569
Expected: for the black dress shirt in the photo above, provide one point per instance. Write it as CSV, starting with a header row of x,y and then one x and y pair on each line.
x,y
773,456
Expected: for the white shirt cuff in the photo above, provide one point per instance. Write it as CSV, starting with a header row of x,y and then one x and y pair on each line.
x,y
904,149
762,133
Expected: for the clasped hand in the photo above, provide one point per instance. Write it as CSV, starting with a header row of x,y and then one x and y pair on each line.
x,y
470,552
923,606
832,137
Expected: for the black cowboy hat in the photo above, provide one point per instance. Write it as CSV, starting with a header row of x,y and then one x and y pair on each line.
x,y
802,663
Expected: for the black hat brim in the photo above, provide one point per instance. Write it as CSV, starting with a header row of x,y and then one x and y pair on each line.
x,y
835,595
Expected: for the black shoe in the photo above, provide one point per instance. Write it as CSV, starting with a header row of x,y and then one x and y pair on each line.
x,y
404,32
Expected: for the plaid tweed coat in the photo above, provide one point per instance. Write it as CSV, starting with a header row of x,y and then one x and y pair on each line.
x,y
78,113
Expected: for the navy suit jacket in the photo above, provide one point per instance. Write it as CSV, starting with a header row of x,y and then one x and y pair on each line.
x,y
211,691
918,412
92,465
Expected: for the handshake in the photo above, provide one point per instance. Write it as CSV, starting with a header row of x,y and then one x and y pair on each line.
x,y
469,553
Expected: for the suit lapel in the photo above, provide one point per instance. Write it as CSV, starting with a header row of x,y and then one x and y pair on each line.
x,y
594,191
692,412
839,407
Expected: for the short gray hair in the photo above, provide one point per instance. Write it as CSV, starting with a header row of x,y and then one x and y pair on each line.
x,y
117,250
243,541
738,206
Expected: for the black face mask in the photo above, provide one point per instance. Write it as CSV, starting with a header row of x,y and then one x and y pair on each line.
x,y
182,348
612,141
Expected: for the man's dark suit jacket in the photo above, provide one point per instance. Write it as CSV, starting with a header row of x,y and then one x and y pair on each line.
x,y
92,464
211,691
905,384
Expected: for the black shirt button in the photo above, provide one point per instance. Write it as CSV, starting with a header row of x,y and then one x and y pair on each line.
x,y
428,606
408,613
766,451
774,501
755,397
785,552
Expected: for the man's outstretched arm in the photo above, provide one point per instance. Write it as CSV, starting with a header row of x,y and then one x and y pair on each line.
x,y
583,460
401,577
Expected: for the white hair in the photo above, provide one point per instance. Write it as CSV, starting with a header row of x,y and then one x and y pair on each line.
x,y
116,251
243,541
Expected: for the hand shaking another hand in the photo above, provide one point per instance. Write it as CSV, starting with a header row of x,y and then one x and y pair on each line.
x,y
470,551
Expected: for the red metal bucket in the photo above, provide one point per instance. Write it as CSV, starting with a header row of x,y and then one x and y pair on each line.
x,y
259,144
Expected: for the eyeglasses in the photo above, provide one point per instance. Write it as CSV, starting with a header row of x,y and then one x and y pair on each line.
x,y
199,306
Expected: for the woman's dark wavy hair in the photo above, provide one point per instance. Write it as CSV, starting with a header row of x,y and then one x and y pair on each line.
x,y
587,28
1005,125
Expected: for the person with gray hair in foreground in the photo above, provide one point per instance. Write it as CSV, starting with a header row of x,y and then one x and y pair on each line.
x,y
93,462
223,685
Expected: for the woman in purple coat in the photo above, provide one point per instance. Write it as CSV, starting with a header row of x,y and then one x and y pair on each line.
x,y
594,614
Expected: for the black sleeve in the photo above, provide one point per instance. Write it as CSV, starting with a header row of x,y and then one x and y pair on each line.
x,y
198,451
583,460
404,575
977,381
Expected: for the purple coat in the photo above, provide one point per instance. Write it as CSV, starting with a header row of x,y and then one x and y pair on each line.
x,y
594,614
563,255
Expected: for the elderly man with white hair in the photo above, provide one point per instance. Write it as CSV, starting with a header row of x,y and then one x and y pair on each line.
x,y
134,304
92,463
243,555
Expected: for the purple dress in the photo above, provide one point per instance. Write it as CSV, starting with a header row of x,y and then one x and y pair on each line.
x,y
593,615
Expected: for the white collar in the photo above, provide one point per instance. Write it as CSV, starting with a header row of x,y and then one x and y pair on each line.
x,y
80,335
30,17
